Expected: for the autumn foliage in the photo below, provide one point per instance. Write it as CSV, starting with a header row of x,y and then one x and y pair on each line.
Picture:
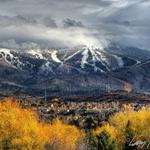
x,y
21,130
139,125
109,129
62,136
127,125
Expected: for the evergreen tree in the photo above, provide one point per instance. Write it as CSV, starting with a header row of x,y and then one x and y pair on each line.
x,y
104,142
129,137
92,141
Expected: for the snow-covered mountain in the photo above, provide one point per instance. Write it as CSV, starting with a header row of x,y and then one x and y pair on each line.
x,y
74,71
83,59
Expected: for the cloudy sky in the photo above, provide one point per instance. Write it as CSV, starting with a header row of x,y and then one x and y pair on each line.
x,y
66,23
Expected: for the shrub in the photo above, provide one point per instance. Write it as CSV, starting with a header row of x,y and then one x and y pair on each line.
x,y
125,126
139,125
21,130
63,136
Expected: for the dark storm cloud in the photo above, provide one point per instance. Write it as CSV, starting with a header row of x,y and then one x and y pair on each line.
x,y
72,23
56,23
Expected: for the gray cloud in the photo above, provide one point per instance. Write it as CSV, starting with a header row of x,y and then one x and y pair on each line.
x,y
15,20
48,23
72,23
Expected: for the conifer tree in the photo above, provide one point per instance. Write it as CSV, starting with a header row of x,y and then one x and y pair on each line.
x,y
92,140
129,137
104,142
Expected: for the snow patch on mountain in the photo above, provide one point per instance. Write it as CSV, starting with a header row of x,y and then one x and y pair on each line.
x,y
103,58
71,56
119,60
6,55
36,53
100,57
46,68
54,57
10,58
84,58
94,59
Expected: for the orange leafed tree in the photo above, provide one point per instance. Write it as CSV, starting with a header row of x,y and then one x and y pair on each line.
x,y
109,129
118,124
139,124
63,136
21,130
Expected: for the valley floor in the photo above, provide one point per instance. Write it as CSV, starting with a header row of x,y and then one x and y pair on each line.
x,y
110,121
84,111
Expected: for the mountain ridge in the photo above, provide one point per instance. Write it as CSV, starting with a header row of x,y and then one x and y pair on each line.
x,y
70,71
